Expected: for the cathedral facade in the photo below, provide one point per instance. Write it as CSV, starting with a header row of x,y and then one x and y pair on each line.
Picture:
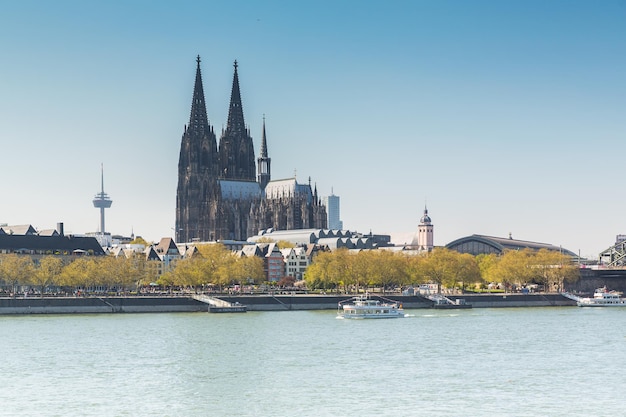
x,y
222,194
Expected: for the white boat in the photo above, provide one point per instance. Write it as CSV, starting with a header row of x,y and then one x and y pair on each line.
x,y
602,298
364,307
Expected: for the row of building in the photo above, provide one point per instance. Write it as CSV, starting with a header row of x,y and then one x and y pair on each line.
x,y
292,262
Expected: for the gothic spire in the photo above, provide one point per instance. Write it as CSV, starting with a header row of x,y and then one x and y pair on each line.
x,y
263,162
235,112
198,119
263,141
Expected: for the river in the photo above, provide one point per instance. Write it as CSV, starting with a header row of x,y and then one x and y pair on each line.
x,y
553,361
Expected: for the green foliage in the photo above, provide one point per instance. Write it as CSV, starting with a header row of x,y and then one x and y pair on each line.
x,y
285,244
383,269
15,269
82,272
139,241
215,265
47,272
357,270
265,240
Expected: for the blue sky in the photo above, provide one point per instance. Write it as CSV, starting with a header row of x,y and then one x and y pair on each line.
x,y
503,116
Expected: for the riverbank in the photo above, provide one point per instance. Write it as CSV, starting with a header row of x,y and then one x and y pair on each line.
x,y
182,303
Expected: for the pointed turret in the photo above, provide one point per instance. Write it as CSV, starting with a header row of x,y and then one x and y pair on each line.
x,y
425,218
236,147
198,167
264,162
264,141
235,111
198,120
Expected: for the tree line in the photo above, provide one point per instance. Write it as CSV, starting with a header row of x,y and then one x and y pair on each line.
x,y
341,270
211,265
347,271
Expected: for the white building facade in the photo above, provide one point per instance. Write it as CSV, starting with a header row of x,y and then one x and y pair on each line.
x,y
296,262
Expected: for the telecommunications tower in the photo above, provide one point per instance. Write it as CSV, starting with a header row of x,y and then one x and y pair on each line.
x,y
102,201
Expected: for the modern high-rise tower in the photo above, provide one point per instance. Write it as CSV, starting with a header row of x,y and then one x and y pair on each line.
x,y
333,210
102,200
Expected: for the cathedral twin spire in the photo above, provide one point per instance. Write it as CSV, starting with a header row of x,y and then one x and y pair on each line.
x,y
236,147
206,209
198,119
236,122
235,159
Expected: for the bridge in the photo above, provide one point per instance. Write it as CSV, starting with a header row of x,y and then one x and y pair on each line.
x,y
219,306
615,255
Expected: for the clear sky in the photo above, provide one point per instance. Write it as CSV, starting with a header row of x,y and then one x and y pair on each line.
x,y
502,116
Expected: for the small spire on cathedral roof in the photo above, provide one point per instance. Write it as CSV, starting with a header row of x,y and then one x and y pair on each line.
x,y
263,141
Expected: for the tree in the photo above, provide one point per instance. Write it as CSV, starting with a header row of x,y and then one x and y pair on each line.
x,y
248,270
338,268
487,265
553,268
438,267
213,264
139,241
189,272
139,271
514,267
15,270
79,273
317,275
413,269
385,269
47,272
285,244
467,269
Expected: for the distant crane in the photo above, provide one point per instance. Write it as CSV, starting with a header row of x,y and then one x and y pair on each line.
x,y
102,201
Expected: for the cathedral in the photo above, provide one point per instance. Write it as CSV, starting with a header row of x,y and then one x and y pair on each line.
x,y
222,193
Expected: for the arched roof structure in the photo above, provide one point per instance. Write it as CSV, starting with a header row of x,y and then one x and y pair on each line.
x,y
479,244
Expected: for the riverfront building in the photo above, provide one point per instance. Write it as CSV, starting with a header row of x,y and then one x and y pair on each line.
x,y
296,262
221,195
479,244
25,240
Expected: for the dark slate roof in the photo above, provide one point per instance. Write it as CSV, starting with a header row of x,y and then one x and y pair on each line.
x,y
13,243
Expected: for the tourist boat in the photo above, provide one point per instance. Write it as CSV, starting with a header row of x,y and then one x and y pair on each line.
x,y
602,298
364,307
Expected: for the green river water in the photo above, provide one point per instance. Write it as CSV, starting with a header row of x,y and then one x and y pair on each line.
x,y
556,361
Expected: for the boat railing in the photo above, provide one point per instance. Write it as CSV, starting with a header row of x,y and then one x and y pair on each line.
x,y
367,296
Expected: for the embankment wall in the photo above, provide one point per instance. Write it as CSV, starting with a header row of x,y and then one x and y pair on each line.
x,y
89,305
86,305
